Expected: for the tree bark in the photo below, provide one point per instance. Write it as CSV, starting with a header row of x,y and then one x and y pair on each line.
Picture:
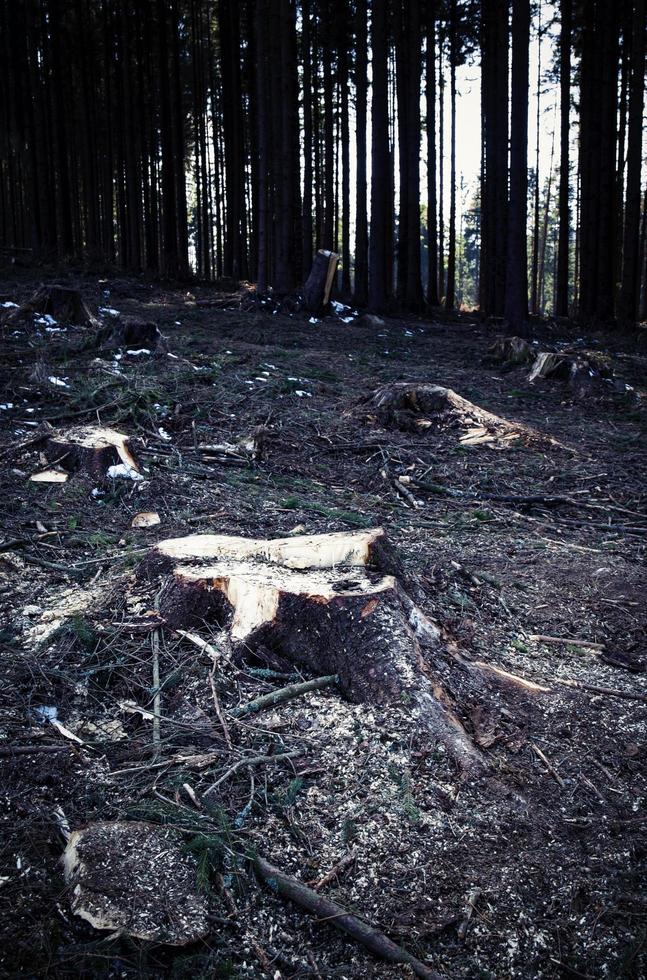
x,y
630,288
561,289
516,294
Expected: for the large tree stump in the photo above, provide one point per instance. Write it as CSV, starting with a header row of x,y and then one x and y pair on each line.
x,y
65,305
93,448
137,878
316,292
334,603
419,407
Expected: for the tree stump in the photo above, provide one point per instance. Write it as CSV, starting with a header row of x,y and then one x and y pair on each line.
x,y
316,292
136,877
586,373
335,604
130,332
510,350
418,407
63,304
93,448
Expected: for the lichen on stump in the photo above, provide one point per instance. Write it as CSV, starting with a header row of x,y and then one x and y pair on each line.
x,y
91,447
137,878
65,305
334,604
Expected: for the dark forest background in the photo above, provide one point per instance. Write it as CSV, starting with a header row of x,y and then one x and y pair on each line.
x,y
231,139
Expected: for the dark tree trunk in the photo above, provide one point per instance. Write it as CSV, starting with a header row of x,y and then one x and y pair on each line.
x,y
361,214
561,304
381,231
450,294
494,191
432,201
534,276
307,247
630,288
598,133
516,292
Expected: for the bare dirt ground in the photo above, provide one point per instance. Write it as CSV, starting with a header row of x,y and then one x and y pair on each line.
x,y
552,837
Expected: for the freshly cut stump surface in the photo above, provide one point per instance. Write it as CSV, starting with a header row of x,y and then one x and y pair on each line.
x,y
333,603
91,447
135,877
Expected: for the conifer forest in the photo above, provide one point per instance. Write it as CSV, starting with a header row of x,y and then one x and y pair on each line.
x,y
323,463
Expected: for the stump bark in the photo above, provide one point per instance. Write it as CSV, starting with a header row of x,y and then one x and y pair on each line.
x,y
65,305
335,604
318,287
93,448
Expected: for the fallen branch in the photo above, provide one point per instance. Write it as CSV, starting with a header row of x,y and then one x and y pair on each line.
x,y
472,899
608,691
565,641
337,916
254,760
284,694
9,750
549,766
345,862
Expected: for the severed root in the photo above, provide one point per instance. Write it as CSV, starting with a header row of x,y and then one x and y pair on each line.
x,y
64,305
326,910
94,448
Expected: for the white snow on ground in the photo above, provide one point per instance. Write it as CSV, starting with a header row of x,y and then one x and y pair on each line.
x,y
121,470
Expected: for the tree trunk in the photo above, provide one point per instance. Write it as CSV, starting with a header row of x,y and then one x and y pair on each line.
x,y
380,226
450,294
561,304
494,192
630,289
516,294
361,214
432,197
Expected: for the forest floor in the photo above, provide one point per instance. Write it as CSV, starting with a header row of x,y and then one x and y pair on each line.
x,y
553,839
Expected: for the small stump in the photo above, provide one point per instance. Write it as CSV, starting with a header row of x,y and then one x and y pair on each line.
x,y
584,372
131,332
93,448
318,287
510,350
63,304
137,878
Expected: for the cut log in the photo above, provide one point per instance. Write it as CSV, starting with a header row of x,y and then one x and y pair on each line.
x,y
63,304
334,603
130,332
137,878
93,448
417,407
318,287
510,350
